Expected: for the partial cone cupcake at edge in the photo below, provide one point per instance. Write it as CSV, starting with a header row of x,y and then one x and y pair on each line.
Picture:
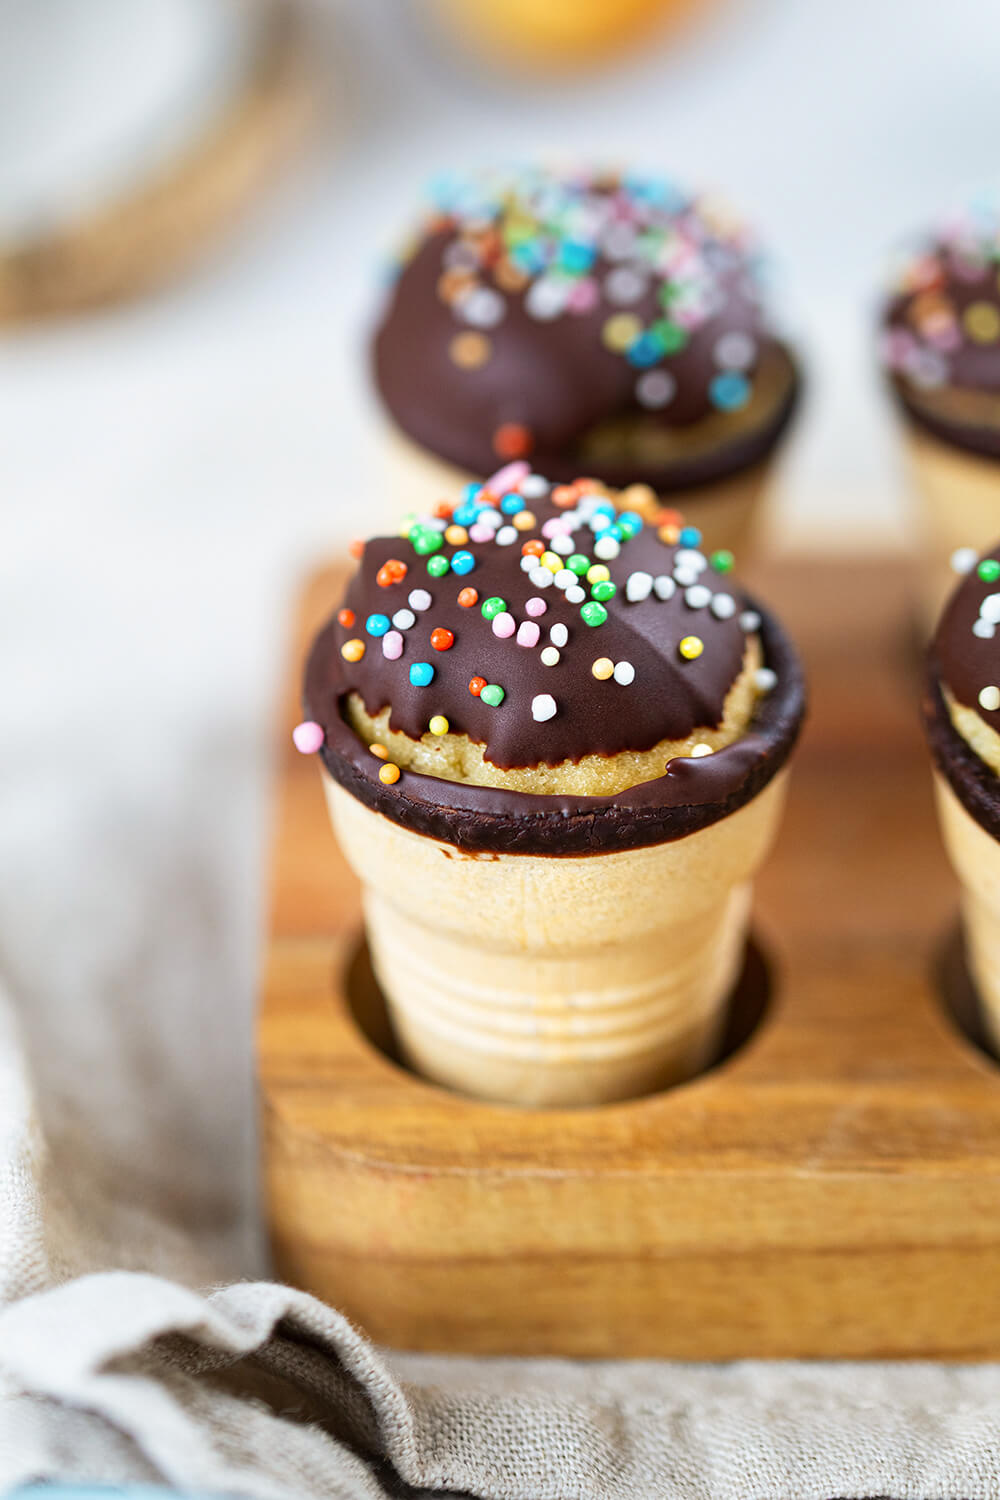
x,y
553,730
593,322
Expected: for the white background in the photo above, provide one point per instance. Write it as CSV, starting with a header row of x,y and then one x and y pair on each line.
x,y
167,467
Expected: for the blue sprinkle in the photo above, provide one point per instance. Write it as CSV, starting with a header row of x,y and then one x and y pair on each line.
x,y
472,491
576,256
421,673
465,514
463,562
690,536
629,523
729,391
511,504
644,351
377,624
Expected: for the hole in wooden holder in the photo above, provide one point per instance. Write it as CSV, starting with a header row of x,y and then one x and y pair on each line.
x,y
959,996
748,1006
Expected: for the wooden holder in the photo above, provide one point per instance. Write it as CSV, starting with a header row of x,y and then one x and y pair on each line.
x,y
832,1189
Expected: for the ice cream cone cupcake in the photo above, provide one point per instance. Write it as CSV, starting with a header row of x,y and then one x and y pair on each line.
x,y
593,323
553,736
940,346
962,719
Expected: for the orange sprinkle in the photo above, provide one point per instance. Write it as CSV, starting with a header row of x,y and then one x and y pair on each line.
x,y
345,617
392,571
534,548
524,520
353,650
380,751
456,536
357,547
476,686
670,518
468,597
587,486
444,510
512,440
389,774
669,534
565,495
442,639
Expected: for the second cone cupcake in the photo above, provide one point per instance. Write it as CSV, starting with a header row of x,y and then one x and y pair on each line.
x,y
594,323
553,733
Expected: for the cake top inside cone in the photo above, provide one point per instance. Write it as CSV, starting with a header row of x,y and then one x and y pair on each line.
x,y
530,626
966,652
940,335
582,317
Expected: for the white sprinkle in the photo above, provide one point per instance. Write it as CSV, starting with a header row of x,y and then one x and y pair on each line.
x,y
600,521
638,586
989,699
565,579
664,587
562,544
623,286
549,656
546,298
506,536
543,707
723,606
529,563
984,630
404,618
765,679
576,595
606,547
618,240
655,388
964,559
697,596
490,517
699,751
558,635
990,609
688,557
541,578
624,673
433,523
684,576
749,621
482,307
420,599
733,351
534,487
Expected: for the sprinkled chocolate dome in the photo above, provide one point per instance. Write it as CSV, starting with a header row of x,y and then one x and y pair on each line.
x,y
966,645
592,321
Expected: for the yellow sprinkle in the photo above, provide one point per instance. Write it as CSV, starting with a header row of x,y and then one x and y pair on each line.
x,y
982,322
456,535
438,725
603,668
670,534
690,647
524,520
598,574
353,650
639,497
389,774
380,751
619,331
552,561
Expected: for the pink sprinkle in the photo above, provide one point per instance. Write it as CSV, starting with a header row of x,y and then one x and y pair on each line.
x,y
536,607
503,625
584,296
507,478
480,533
555,526
308,737
392,645
528,633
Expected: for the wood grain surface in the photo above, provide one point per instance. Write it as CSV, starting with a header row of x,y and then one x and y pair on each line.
x,y
832,1189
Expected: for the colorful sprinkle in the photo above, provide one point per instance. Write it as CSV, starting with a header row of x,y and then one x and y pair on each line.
x,y
392,571
593,613
699,751
559,635
989,570
549,656
765,679
425,541
504,625
438,566
456,536
438,724
989,699
624,673
353,650
467,598
982,322
536,607
493,695
421,673
524,520
603,590
723,606
442,639
527,633
697,596
989,610
664,587
963,559
749,621
493,606
476,686
638,586
404,619
379,752
511,440
345,617
392,645
722,561
308,737
469,350
377,624
389,773
603,668
420,600
691,647
543,706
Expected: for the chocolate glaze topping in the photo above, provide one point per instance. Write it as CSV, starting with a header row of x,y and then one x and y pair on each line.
x,y
966,647
670,695
536,307
941,328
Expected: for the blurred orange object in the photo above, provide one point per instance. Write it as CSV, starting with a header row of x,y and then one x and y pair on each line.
x,y
559,33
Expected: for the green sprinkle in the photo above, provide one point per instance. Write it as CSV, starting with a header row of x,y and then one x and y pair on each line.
x,y
578,564
593,613
722,561
492,608
438,566
671,335
989,570
603,591
492,694
424,540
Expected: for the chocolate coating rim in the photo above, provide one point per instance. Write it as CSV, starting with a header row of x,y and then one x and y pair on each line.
x,y
975,785
983,441
691,794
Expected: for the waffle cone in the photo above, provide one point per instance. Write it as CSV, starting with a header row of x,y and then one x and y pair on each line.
x,y
975,855
550,981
